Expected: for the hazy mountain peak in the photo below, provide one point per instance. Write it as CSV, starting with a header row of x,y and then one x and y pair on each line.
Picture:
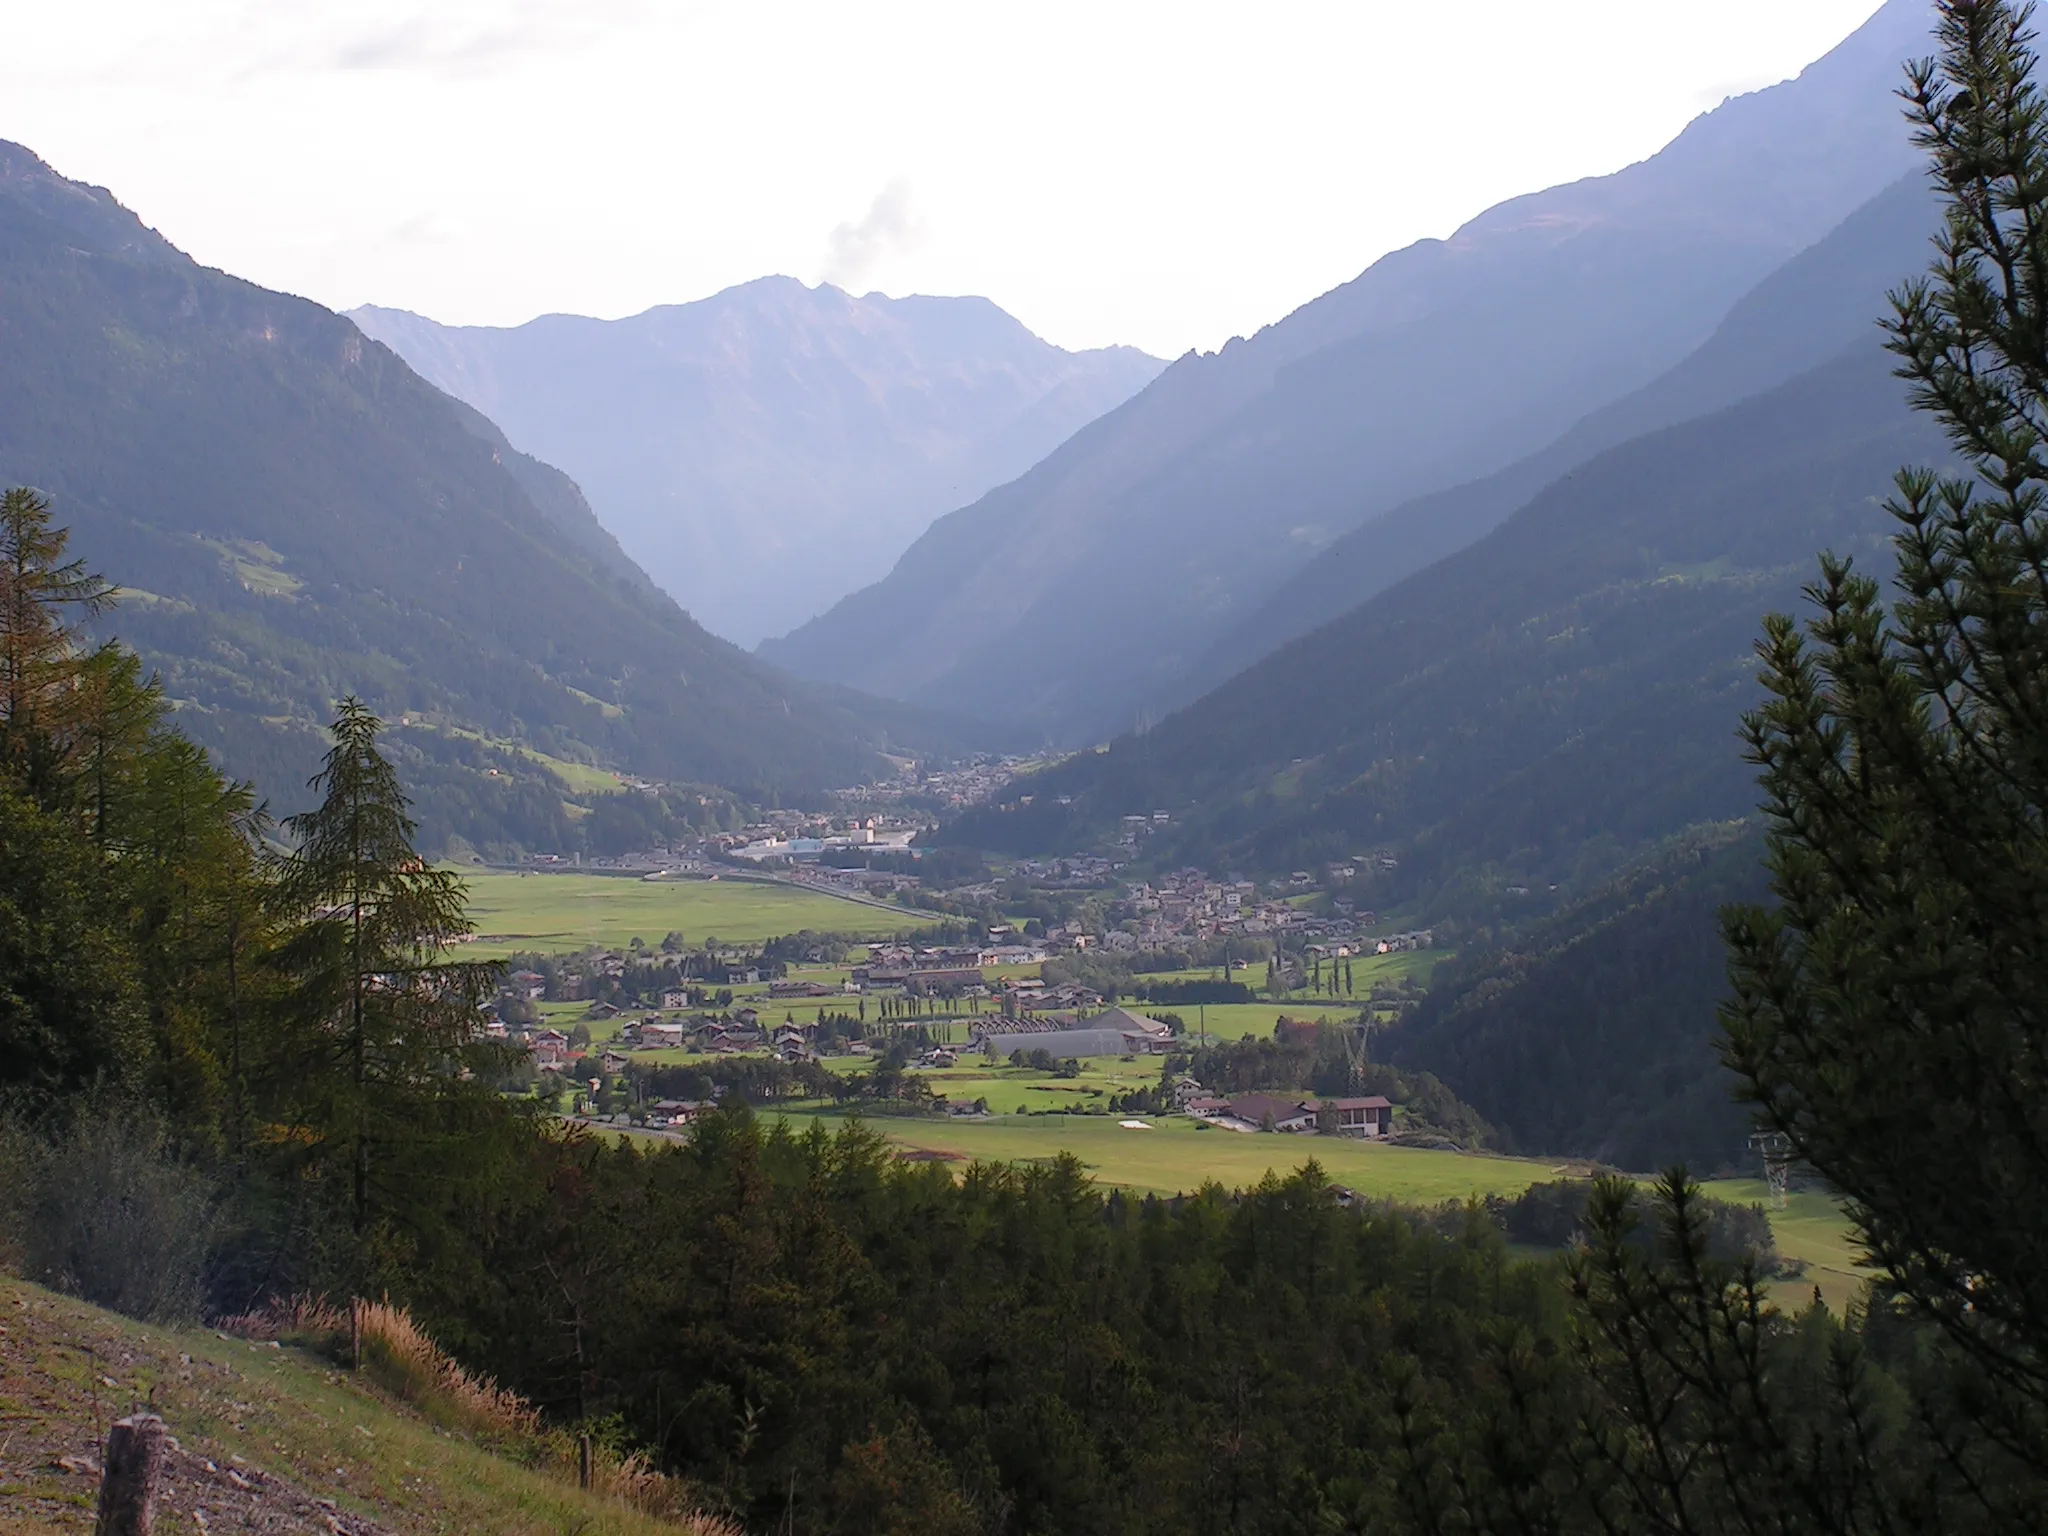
x,y
1142,541
89,215
766,450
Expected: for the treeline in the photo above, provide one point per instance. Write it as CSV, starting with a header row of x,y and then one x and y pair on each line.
x,y
234,1073
827,1338
267,1047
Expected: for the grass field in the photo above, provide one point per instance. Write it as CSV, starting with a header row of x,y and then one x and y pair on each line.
x,y
1176,1157
552,913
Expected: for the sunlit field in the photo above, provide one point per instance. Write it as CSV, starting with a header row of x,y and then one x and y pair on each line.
x,y
555,913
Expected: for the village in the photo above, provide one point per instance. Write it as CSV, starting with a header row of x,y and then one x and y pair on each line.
x,y
946,1026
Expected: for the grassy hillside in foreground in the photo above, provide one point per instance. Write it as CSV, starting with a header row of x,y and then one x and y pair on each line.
x,y
289,1425
557,913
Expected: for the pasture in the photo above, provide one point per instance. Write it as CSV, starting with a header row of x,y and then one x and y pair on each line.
x,y
554,913
1176,1156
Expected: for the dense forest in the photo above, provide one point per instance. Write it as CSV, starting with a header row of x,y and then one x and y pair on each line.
x,y
1591,1033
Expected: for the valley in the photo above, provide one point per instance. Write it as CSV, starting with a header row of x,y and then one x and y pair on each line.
x,y
692,900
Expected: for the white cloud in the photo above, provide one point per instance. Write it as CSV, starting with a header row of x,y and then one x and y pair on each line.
x,y
891,227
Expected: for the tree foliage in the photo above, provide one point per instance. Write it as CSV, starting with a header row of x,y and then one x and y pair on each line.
x,y
1889,1015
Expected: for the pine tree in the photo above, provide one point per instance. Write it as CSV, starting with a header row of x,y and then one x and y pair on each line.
x,y
388,1022
45,666
1891,1012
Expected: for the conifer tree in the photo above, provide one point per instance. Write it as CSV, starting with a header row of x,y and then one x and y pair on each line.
x,y
1891,1011
50,680
388,1022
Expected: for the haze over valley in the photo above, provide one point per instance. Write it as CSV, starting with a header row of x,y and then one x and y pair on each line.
x,y
794,907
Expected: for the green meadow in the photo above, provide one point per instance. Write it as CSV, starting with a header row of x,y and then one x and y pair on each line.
x,y
1177,1155
553,913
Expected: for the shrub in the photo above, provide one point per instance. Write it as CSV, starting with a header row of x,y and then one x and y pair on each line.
x,y
105,1211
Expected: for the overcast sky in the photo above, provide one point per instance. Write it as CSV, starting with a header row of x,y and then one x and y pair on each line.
x,y
1166,174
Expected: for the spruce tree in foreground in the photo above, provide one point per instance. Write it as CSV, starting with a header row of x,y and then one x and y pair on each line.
x,y
1891,1012
386,1023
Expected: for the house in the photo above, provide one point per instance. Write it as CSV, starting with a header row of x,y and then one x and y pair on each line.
x,y
1369,1117
1142,1036
675,1112
1284,1114
530,985
941,1057
747,1017
612,1062
675,997
601,1011
548,1054
948,979
656,1036
798,989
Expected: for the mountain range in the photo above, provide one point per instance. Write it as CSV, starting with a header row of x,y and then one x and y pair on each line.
x,y
1100,584
1531,743
763,452
295,515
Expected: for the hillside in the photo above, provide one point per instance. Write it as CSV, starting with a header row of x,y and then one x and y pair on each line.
x,y
270,1440
1593,1033
1092,582
768,450
1534,709
296,515
1821,302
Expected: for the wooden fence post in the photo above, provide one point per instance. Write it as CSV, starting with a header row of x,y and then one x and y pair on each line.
x,y
135,1464
583,1462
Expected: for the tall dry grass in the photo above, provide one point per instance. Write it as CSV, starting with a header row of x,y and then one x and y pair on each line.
x,y
400,1357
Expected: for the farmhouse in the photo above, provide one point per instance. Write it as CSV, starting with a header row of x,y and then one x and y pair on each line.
x,y
660,1037
1283,1114
1370,1117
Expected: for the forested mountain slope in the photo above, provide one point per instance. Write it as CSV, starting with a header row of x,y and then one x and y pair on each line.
x,y
767,450
1111,567
1822,301
1593,1033
1540,706
297,515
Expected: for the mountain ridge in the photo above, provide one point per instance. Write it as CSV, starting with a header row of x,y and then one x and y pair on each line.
x,y
1123,555
767,449
295,515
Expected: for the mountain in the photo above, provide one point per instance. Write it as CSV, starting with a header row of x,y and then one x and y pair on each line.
x,y
1817,305
1090,584
295,514
765,451
1536,709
